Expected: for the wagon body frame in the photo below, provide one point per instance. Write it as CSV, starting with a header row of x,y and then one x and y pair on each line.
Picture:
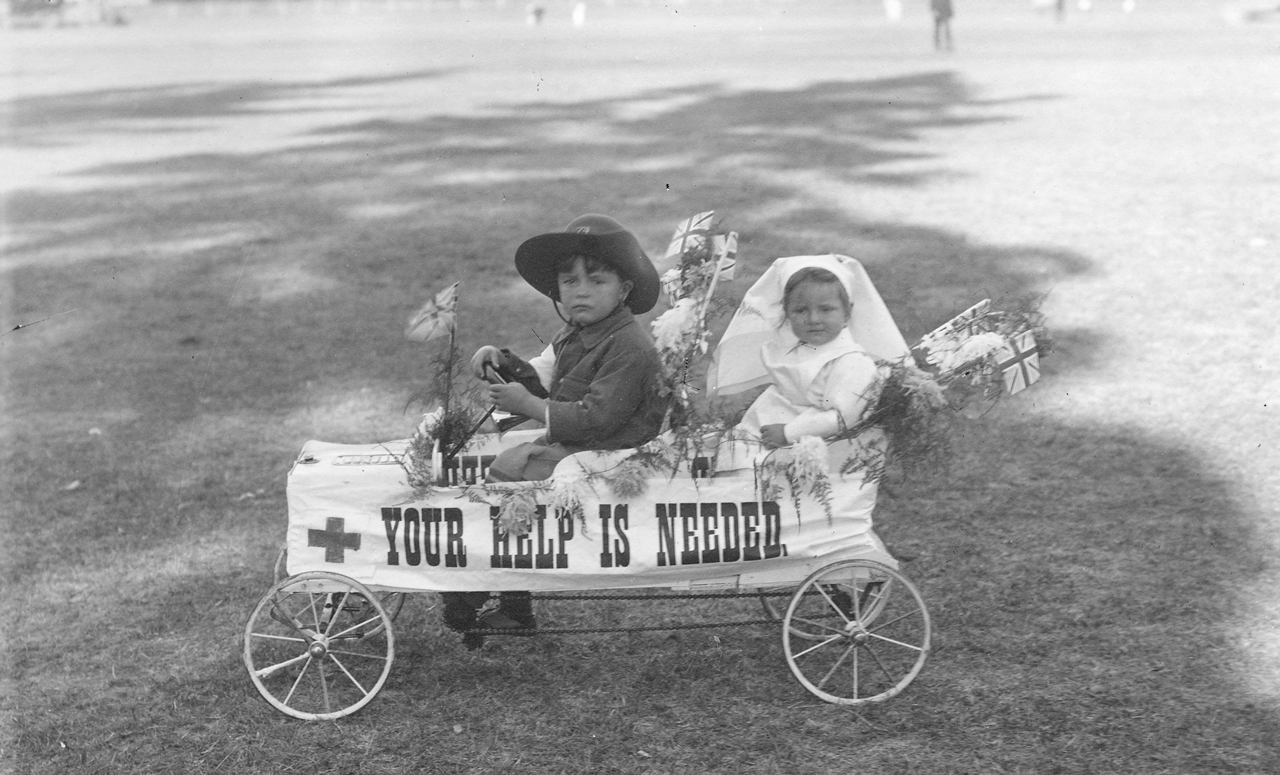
x,y
321,641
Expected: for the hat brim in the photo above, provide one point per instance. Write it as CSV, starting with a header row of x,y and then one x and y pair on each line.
x,y
538,260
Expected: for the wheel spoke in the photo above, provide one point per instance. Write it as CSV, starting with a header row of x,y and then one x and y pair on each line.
x,y
855,671
818,625
324,688
834,606
285,638
814,648
363,692
853,648
880,664
297,681
882,625
272,669
896,642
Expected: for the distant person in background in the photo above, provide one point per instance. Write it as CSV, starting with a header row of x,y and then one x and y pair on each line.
x,y
1060,7
942,13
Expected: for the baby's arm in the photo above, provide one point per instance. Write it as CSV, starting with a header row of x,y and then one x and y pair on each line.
x,y
845,388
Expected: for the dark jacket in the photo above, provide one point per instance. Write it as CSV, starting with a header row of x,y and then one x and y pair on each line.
x,y
605,389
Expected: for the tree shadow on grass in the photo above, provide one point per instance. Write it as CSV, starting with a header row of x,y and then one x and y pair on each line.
x,y
65,119
1076,574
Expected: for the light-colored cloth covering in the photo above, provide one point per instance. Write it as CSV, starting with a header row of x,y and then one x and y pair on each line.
x,y
813,390
737,366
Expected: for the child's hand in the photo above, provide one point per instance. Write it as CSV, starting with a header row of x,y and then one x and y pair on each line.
x,y
485,355
774,436
514,398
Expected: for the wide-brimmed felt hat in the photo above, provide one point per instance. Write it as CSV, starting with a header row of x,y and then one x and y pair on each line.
x,y
538,258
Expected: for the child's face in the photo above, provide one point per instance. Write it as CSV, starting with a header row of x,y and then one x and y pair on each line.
x,y
589,297
816,313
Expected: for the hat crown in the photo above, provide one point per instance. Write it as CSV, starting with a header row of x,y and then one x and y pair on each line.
x,y
594,224
599,236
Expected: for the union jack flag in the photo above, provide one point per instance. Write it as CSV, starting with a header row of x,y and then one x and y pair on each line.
x,y
690,233
1019,362
724,251
950,335
436,318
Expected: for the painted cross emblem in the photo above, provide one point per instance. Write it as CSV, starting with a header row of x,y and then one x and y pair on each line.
x,y
334,539
1019,362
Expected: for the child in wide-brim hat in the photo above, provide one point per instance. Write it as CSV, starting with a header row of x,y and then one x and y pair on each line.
x,y
598,383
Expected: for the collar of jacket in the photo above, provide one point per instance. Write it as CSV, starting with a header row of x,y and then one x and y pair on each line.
x,y
598,331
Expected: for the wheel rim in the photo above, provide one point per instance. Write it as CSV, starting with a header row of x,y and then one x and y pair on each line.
x,y
392,602
855,632
319,646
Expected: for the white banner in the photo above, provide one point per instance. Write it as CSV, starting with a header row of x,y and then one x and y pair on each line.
x,y
352,512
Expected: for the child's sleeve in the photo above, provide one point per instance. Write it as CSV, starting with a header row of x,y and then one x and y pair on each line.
x,y
842,393
607,405
545,365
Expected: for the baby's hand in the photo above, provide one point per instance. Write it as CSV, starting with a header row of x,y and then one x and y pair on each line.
x,y
774,436
485,355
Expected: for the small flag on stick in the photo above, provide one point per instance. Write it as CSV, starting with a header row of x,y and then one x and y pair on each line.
x,y
436,318
724,251
947,337
1019,362
690,233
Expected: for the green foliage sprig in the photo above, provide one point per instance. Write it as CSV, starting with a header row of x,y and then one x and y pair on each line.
x,y
446,427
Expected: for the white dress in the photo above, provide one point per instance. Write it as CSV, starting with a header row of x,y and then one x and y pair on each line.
x,y
818,391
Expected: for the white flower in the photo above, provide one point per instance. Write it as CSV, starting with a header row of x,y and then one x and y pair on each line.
x,y
429,422
675,330
568,491
975,348
809,460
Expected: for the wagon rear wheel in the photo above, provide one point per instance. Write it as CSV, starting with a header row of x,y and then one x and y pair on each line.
x,y
856,632
319,646
871,599
392,602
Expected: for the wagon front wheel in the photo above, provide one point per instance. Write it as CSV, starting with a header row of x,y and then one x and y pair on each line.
x,y
319,646
856,632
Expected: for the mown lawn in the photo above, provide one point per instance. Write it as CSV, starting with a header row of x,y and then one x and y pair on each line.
x,y
237,219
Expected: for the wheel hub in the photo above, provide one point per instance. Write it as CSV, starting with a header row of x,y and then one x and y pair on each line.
x,y
855,632
318,650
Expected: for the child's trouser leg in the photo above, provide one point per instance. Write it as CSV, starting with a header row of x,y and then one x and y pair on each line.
x,y
460,609
518,606
524,462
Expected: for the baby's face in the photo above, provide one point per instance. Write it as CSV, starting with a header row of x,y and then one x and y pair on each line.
x,y
589,297
816,313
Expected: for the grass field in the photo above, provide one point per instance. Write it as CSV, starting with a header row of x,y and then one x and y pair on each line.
x,y
218,217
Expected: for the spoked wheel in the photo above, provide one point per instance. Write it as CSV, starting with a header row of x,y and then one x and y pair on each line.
x,y
392,602
856,632
319,646
871,599
357,606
